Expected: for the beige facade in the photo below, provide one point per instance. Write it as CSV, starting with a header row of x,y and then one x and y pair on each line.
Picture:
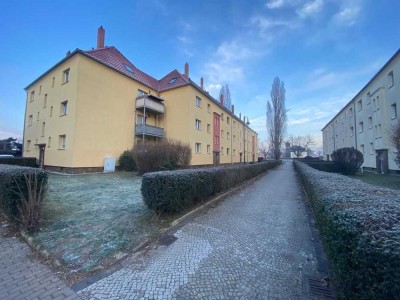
x,y
96,104
366,121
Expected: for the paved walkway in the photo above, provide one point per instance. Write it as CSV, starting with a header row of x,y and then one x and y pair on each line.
x,y
22,276
256,244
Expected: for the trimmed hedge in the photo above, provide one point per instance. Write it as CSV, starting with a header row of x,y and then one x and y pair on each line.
x,y
14,188
173,191
322,165
19,161
360,226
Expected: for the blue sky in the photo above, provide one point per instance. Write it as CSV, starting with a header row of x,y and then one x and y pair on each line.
x,y
324,50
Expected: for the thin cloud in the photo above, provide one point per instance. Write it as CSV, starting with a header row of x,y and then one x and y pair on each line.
x,y
310,9
348,14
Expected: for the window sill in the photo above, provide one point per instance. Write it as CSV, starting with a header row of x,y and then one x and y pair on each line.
x,y
65,82
61,149
63,115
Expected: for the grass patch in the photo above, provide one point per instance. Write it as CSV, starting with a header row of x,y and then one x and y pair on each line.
x,y
90,218
382,180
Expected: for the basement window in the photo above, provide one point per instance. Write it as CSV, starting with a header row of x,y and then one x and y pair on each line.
x,y
129,68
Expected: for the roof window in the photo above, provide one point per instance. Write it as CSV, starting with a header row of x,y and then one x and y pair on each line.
x,y
129,68
172,80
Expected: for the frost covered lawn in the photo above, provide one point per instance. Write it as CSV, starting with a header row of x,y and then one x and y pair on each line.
x,y
91,219
389,181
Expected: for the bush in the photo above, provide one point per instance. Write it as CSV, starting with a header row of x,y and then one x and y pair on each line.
x,y
173,191
19,161
349,160
359,224
166,155
126,161
322,165
395,140
22,194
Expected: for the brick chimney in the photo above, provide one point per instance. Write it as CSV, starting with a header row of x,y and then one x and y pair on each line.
x,y
100,37
187,70
221,99
240,116
202,83
233,109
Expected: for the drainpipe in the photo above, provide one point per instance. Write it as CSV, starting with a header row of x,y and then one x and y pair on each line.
x,y
355,125
144,118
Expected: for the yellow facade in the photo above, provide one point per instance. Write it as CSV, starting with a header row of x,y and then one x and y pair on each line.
x,y
82,111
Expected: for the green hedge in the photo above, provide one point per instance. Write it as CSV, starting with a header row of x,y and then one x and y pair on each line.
x,y
360,226
322,165
19,161
173,191
13,183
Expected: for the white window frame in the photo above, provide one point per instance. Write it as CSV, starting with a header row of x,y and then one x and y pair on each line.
x,y
62,141
64,108
66,75
197,147
198,101
197,124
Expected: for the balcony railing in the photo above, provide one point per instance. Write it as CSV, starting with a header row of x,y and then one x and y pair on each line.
x,y
150,104
149,130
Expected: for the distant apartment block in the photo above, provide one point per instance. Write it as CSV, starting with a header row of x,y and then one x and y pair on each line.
x,y
92,105
365,122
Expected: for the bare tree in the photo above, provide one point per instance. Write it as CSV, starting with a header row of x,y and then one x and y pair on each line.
x,y
300,144
276,117
227,96
263,148
395,139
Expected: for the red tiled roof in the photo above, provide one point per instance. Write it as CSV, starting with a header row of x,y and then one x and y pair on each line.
x,y
111,57
166,84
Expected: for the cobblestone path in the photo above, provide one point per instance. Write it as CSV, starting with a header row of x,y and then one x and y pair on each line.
x,y
22,276
256,244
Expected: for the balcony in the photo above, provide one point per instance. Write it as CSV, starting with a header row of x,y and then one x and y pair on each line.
x,y
149,130
150,103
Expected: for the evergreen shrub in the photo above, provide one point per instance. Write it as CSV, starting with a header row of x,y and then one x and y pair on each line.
x,y
173,191
348,160
359,224
19,161
126,161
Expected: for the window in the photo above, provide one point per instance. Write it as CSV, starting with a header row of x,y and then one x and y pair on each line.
x,y
53,81
234,124
350,112
61,141
376,131
378,102
234,138
28,145
129,69
228,120
30,118
222,133
227,151
361,126
45,101
208,128
40,90
222,116
362,149
32,97
234,151
51,111
43,128
222,150
38,116
351,131
141,93
66,76
390,79
393,111
198,102
197,147
49,142
64,108
172,80
209,108
208,148
198,124
371,148
359,105
379,130
228,136
370,122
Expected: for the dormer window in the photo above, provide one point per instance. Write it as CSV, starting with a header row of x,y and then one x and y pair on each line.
x,y
172,80
129,68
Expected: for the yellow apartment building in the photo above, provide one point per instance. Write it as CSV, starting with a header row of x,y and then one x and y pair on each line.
x,y
91,106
